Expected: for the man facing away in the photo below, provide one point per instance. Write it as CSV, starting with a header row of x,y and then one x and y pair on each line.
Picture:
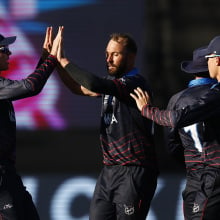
x,y
128,180
196,116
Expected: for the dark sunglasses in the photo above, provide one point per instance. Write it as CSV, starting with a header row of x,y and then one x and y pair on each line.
x,y
4,50
211,56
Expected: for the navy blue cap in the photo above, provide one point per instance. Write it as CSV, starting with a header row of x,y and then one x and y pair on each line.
x,y
197,65
212,48
7,40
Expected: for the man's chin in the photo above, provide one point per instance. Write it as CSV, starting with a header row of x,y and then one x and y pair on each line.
x,y
111,72
114,72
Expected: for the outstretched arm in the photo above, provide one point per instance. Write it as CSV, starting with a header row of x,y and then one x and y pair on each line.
x,y
81,81
47,45
205,106
166,118
34,83
69,81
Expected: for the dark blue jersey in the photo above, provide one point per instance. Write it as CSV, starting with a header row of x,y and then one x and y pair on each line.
x,y
126,136
11,90
193,116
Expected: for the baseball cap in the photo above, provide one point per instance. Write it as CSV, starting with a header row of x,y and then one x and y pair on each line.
x,y
197,65
7,40
212,48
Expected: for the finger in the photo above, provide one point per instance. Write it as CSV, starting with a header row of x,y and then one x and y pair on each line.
x,y
133,96
61,31
50,36
47,31
137,93
141,92
59,50
146,94
56,42
46,37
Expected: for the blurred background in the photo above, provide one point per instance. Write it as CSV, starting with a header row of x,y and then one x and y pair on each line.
x,y
58,152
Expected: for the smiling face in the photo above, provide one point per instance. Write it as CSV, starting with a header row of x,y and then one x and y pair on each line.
x,y
118,60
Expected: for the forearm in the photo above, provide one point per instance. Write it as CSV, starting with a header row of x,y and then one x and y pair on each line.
x,y
68,81
43,57
88,80
84,78
161,117
32,85
181,117
38,78
72,85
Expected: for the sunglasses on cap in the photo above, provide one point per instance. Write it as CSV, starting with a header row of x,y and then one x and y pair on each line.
x,y
4,49
212,56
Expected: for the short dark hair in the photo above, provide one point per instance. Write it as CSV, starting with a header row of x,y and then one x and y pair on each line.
x,y
126,40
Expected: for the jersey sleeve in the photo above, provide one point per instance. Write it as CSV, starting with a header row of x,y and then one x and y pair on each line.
x,y
120,88
206,106
32,85
174,143
91,81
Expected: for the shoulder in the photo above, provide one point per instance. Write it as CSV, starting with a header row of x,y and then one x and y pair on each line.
x,y
188,96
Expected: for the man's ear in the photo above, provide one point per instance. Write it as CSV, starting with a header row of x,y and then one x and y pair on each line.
x,y
217,61
131,58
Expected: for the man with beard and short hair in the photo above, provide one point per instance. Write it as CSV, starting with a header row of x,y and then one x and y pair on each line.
x,y
128,180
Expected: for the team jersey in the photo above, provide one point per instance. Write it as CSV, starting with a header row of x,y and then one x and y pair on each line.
x,y
193,115
126,137
11,90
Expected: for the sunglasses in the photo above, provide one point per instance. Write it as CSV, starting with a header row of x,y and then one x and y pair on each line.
x,y
211,56
4,50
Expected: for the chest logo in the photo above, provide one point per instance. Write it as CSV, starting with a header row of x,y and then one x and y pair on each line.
x,y
129,210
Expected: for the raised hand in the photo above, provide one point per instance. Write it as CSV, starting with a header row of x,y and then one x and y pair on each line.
x,y
62,59
48,39
47,45
141,97
57,41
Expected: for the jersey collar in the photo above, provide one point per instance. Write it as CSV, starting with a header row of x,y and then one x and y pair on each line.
x,y
133,72
201,81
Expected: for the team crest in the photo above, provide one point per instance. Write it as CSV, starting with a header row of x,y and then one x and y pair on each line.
x,y
129,210
195,208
